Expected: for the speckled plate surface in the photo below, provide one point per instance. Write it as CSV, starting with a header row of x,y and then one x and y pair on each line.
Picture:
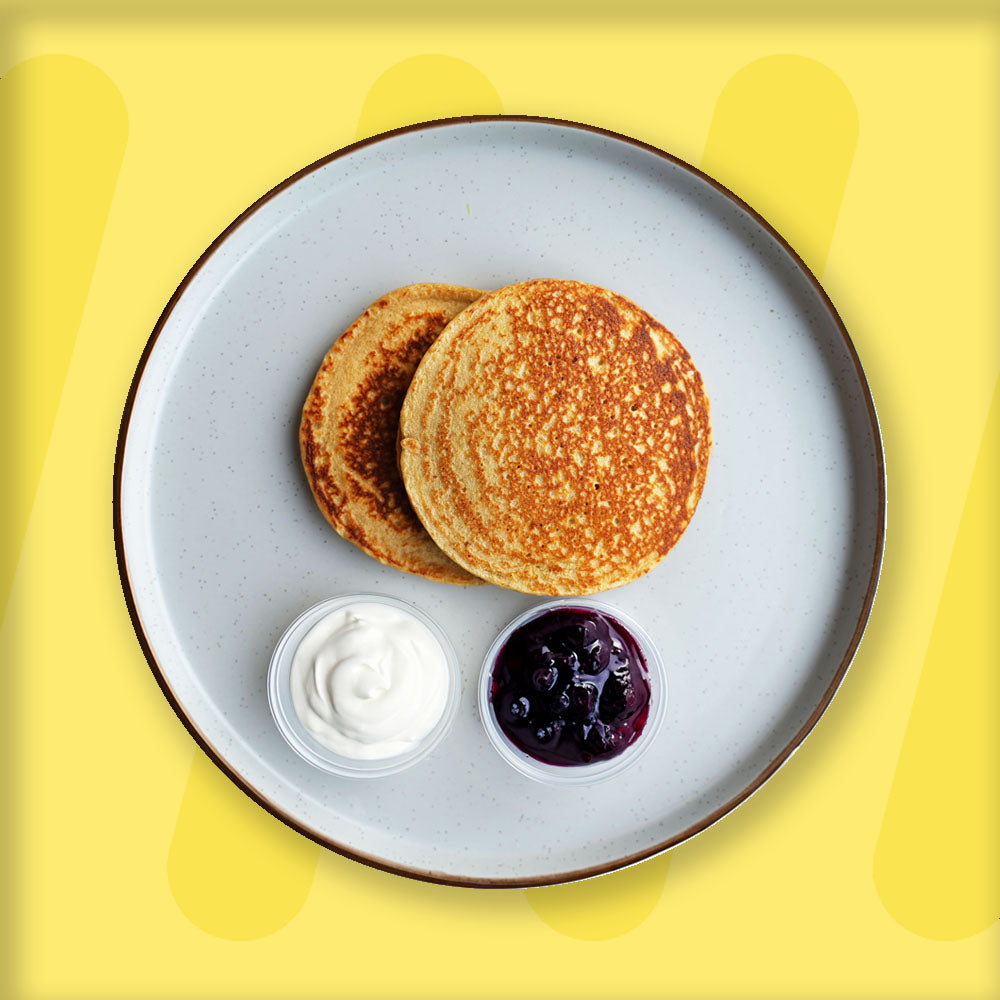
x,y
758,610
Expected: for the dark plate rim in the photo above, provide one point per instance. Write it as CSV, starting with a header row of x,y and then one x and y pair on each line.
x,y
445,878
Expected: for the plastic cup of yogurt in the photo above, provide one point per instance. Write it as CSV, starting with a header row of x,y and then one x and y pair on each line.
x,y
363,685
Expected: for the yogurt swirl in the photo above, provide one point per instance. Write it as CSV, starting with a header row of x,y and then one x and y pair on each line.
x,y
369,681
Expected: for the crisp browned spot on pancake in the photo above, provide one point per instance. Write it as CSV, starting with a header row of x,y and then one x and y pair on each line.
x,y
350,423
367,437
555,439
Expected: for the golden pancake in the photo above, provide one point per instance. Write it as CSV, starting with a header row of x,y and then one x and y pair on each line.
x,y
350,423
555,439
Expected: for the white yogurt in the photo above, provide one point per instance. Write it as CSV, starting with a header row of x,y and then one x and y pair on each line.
x,y
369,681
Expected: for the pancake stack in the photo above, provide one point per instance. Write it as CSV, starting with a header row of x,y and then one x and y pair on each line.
x,y
553,439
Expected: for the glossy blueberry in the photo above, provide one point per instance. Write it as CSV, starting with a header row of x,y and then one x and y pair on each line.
x,y
560,702
583,698
540,655
544,678
616,694
598,740
549,733
595,658
520,708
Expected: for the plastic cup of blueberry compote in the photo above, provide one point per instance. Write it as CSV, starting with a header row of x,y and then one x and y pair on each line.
x,y
572,692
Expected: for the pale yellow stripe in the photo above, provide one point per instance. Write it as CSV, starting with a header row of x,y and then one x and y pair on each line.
x,y
782,137
936,861
65,128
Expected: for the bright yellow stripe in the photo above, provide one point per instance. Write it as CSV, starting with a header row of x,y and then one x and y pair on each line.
x,y
936,862
605,907
65,127
234,870
782,137
423,88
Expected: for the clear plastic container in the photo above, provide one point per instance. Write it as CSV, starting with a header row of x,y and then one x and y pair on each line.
x,y
279,694
579,774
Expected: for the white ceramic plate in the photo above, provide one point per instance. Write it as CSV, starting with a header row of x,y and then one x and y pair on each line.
x,y
758,610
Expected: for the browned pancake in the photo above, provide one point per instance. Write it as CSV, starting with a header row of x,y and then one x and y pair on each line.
x,y
350,423
555,439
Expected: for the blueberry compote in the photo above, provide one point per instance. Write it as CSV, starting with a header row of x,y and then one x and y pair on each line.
x,y
571,687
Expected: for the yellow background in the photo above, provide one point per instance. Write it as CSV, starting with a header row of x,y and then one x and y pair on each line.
x,y
867,867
